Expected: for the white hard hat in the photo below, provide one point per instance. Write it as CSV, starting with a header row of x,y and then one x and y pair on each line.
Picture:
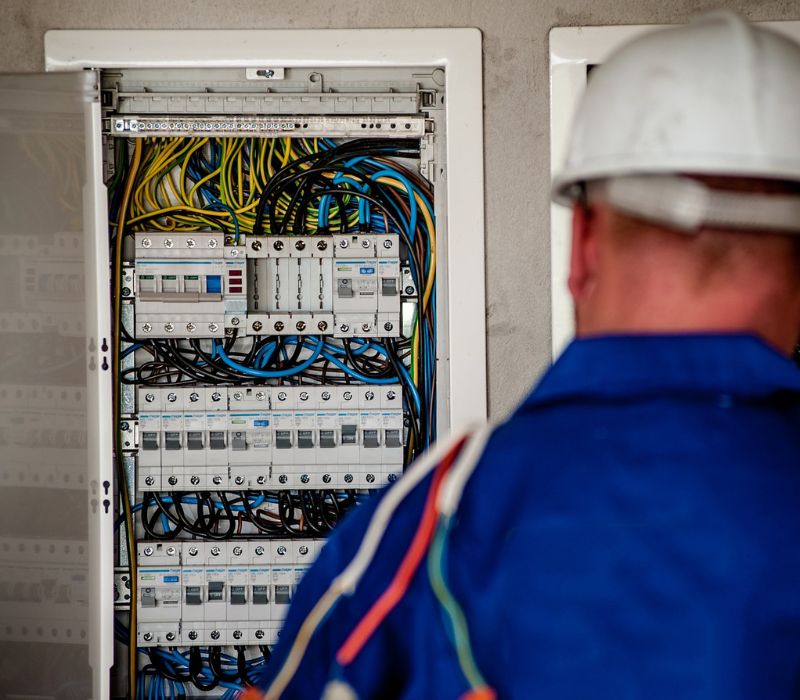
x,y
716,97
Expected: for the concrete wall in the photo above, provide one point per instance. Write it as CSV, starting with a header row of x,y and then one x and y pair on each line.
x,y
516,113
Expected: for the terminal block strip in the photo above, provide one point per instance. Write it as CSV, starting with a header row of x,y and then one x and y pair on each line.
x,y
309,126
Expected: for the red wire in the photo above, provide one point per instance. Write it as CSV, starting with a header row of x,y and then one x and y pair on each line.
x,y
408,567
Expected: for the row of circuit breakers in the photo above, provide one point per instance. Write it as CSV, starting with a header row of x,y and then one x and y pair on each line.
x,y
198,285
265,437
219,593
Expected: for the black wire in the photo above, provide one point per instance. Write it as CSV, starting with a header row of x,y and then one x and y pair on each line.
x,y
196,670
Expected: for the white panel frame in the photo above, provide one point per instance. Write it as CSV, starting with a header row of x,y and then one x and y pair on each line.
x,y
458,51
572,50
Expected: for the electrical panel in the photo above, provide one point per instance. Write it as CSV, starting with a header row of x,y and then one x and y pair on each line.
x,y
277,243
274,303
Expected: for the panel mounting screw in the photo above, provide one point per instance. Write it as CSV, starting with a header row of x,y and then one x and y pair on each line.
x,y
148,551
322,245
216,396
257,326
235,321
283,478
304,396
281,551
370,478
369,395
348,478
234,253
300,325
387,243
304,478
347,396
409,291
326,396
277,245
147,636
212,242
300,245
239,480
237,634
215,551
126,291
278,326
259,634
171,551
392,478
146,327
213,327
303,550
190,243
217,480
124,426
238,395
260,396
168,243
146,243
281,396
215,635
261,480
365,327
326,478
322,326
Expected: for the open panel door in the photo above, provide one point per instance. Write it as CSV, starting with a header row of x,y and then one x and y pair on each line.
x,y
56,492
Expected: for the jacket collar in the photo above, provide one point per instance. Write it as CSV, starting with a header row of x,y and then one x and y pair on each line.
x,y
637,366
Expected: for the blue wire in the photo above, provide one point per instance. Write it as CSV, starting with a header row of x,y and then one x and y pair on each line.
x,y
272,374
132,348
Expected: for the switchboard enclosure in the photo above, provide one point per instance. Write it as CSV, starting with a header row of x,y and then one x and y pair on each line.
x,y
243,288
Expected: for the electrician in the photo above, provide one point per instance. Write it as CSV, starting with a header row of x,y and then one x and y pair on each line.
x,y
632,530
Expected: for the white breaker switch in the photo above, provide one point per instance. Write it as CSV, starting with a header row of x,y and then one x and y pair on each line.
x,y
188,285
344,285
219,438
218,593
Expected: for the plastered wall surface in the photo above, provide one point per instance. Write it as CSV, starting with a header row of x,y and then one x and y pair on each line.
x,y
516,113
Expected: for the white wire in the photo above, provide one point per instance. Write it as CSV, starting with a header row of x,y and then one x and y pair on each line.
x,y
347,581
450,493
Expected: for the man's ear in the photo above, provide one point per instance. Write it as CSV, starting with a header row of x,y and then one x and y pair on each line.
x,y
584,256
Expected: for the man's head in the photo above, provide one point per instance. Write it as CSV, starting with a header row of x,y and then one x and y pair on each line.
x,y
628,274
684,176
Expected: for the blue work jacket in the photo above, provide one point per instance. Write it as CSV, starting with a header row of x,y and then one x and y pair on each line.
x,y
632,531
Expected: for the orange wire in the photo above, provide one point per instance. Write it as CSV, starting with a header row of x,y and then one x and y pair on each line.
x,y
408,567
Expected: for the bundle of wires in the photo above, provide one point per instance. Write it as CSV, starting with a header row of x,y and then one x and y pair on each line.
x,y
221,515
